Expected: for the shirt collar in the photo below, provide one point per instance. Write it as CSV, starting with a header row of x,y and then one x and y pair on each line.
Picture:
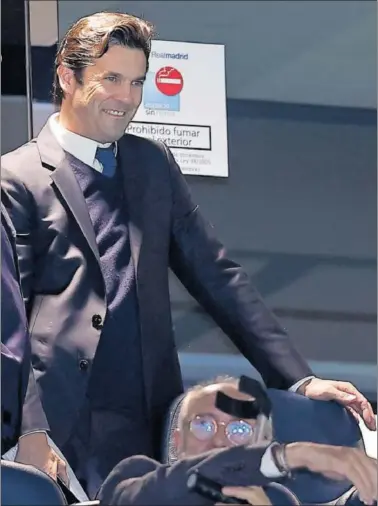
x,y
80,147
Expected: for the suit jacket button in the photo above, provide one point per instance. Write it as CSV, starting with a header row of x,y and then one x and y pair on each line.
x,y
97,322
83,364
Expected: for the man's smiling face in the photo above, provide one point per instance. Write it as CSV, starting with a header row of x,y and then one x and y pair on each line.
x,y
103,101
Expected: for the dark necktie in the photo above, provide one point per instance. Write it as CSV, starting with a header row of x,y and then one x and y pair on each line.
x,y
107,159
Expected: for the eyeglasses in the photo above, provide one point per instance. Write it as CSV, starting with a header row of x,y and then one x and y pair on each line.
x,y
205,427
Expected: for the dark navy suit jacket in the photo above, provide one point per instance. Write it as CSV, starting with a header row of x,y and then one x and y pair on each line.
x,y
64,289
16,373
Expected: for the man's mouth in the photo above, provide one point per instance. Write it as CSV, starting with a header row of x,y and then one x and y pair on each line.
x,y
115,113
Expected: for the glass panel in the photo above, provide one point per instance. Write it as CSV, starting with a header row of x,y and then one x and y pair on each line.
x,y
43,37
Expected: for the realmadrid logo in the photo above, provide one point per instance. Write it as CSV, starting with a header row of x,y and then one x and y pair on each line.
x,y
162,90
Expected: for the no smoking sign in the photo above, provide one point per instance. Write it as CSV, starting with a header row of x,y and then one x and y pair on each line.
x,y
169,81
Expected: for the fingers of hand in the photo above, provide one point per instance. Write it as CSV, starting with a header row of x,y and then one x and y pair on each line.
x,y
361,470
51,466
254,495
234,492
365,411
344,392
368,416
357,399
62,471
350,396
354,413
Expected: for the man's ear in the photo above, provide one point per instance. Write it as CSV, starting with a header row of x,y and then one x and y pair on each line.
x,y
177,439
67,79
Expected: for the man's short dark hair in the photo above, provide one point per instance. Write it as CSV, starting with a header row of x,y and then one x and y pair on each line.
x,y
92,36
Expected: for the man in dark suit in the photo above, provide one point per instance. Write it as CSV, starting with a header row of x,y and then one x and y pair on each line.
x,y
140,481
224,449
17,378
100,217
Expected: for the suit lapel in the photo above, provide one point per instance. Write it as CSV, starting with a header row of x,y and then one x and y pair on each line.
x,y
134,189
53,156
70,190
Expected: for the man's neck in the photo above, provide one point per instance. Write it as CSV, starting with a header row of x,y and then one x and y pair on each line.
x,y
68,122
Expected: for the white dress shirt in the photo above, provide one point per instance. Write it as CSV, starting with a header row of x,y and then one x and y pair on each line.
x,y
80,147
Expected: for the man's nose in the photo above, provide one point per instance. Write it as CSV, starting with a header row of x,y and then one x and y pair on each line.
x,y
220,439
126,93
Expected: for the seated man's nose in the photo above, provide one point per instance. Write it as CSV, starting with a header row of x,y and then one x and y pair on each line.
x,y
220,440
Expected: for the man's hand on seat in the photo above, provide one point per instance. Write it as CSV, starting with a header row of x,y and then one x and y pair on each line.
x,y
344,393
333,462
34,450
338,463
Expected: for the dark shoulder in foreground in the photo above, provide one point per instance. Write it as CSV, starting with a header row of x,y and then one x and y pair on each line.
x,y
21,151
21,158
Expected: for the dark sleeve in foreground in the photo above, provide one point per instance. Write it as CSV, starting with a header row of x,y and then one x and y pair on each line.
x,y
141,481
18,383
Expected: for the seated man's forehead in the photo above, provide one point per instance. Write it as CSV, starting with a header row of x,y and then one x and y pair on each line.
x,y
230,389
200,402
205,398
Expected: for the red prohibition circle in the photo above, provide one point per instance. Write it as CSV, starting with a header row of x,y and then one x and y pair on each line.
x,y
169,81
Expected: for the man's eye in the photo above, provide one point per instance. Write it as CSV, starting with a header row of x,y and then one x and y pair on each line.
x,y
112,79
138,83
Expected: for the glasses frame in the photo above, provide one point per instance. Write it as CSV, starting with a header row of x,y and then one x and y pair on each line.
x,y
220,423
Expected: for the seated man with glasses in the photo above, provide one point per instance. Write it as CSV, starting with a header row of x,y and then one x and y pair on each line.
x,y
203,427
235,452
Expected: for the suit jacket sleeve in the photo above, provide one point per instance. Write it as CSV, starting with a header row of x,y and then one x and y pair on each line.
x,y
19,205
141,481
33,417
223,289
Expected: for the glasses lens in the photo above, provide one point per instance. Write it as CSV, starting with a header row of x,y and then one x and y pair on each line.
x,y
203,427
239,432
